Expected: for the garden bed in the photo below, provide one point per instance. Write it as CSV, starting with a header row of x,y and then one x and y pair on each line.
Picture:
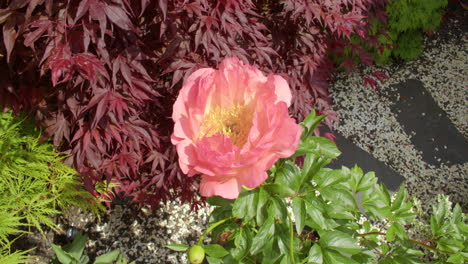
x,y
365,118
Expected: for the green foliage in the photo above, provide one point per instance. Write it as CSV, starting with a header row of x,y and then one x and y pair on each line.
x,y
73,254
407,20
319,215
7,257
34,183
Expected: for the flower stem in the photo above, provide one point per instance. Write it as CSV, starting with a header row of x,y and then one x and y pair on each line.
x,y
291,239
213,226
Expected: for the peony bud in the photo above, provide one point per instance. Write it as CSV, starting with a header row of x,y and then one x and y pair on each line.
x,y
196,254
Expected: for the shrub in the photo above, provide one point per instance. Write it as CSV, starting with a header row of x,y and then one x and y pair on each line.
x,y
34,183
407,21
102,75
73,253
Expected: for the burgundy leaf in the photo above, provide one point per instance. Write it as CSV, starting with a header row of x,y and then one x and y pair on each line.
x,y
42,25
83,7
118,16
9,35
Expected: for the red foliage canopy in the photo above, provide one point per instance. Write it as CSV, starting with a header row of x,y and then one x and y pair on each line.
x,y
102,76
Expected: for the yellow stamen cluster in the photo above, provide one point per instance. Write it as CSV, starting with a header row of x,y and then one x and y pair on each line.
x,y
234,122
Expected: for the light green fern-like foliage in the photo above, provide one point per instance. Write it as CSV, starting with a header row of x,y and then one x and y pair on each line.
x,y
407,20
34,183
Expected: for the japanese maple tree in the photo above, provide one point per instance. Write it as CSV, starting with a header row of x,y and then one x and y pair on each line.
x,y
102,76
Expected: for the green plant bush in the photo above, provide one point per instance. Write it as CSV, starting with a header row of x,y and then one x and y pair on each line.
x,y
314,214
34,184
73,254
407,20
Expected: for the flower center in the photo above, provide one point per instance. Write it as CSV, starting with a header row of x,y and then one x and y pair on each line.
x,y
234,122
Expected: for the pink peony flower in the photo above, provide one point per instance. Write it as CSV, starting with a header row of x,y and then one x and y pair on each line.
x,y
231,126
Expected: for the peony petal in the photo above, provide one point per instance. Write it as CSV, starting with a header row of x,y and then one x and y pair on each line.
x,y
226,187
282,90
252,178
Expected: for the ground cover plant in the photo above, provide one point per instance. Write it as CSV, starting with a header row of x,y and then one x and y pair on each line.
x,y
34,185
407,21
101,76
313,214
73,253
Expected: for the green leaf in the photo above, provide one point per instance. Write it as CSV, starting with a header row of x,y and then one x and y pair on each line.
x,y
278,209
289,175
108,258
384,248
317,218
63,256
368,181
315,255
262,212
77,247
340,196
212,260
391,233
219,201
299,211
281,190
333,257
339,241
310,123
242,241
319,146
178,247
399,230
456,258
245,206
325,147
450,245
399,199
265,233
330,177
340,211
215,250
